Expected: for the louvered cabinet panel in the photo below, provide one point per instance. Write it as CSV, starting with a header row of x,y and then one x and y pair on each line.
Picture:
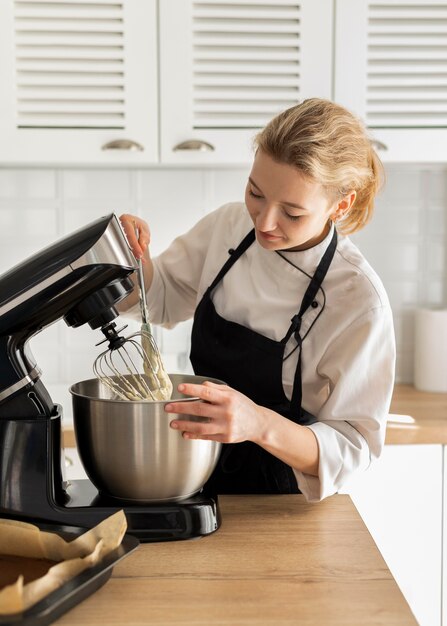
x,y
78,76
391,69
227,67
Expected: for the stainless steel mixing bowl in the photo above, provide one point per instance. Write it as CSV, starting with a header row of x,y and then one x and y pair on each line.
x,y
129,450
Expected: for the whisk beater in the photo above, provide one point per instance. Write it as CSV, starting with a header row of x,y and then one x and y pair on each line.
x,y
121,366
132,367
159,381
129,367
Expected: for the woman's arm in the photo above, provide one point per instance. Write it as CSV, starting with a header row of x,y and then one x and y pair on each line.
x,y
175,277
231,417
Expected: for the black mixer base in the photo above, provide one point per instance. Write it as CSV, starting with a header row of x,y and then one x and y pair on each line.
x,y
32,489
167,521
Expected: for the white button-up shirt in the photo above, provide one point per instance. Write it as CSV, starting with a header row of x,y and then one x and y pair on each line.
x,y
348,350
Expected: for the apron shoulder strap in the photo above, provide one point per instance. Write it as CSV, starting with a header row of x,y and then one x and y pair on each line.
x,y
234,256
319,276
309,296
312,289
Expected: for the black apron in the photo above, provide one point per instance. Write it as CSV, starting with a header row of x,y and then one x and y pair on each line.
x,y
252,364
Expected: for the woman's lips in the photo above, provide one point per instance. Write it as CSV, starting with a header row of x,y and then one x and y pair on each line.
x,y
269,236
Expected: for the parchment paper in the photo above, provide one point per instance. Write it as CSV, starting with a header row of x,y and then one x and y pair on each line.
x,y
41,552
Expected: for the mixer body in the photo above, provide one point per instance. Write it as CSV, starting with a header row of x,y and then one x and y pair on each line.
x,y
80,279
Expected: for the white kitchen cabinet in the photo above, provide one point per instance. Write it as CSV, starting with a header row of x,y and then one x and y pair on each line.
x,y
78,81
227,67
190,82
391,69
400,499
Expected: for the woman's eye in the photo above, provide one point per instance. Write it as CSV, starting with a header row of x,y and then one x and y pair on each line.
x,y
253,194
294,218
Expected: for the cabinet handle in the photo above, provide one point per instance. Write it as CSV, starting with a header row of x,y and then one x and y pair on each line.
x,y
123,144
195,144
379,145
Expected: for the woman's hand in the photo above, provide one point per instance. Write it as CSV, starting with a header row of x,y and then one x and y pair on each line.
x,y
139,244
227,415
140,248
230,417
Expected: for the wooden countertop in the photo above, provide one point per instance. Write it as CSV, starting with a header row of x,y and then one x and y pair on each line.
x,y
417,417
275,560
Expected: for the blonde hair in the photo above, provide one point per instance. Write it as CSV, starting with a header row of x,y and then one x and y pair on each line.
x,y
330,146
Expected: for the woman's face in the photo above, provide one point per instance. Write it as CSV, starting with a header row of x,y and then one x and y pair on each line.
x,y
289,211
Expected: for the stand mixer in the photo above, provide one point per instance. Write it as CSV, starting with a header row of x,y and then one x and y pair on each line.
x,y
80,279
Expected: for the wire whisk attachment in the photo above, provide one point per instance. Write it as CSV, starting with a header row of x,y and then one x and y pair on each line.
x,y
132,367
120,368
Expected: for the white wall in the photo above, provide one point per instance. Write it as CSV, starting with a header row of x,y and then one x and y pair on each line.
x,y
405,242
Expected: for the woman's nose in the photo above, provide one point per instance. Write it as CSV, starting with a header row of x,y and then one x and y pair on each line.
x,y
267,220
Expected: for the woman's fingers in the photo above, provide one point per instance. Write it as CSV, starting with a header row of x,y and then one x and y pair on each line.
x,y
207,425
222,385
221,414
208,391
137,233
202,429
196,409
210,422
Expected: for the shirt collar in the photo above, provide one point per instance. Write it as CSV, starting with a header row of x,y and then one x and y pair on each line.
x,y
308,259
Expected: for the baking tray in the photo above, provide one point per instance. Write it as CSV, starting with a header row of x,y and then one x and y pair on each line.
x,y
75,590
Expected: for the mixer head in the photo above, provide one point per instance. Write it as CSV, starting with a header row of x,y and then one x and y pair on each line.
x,y
79,278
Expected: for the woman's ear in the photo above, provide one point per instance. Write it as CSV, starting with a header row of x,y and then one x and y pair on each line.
x,y
343,206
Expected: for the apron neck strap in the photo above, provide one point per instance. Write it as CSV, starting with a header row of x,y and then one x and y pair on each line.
x,y
312,289
234,256
319,276
309,296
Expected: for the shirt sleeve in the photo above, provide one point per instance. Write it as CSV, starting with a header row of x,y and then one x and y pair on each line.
x,y
173,294
359,366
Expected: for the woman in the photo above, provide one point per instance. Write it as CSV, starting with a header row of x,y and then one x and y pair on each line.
x,y
286,311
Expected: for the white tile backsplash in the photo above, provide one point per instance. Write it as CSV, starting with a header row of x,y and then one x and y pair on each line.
x,y
177,188
172,201
435,256
92,185
402,185
405,242
229,186
402,293
11,253
435,292
30,184
435,219
168,222
436,185
78,214
391,220
30,222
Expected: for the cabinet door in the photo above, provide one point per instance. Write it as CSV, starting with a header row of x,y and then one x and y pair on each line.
x,y
227,67
400,499
391,69
75,77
